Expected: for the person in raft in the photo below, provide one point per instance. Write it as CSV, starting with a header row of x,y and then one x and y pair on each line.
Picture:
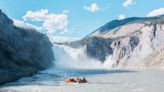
x,y
78,80
70,80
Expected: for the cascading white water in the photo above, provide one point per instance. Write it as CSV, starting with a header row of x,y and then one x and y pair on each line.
x,y
67,57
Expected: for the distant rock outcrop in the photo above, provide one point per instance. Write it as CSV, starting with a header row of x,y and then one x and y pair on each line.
x,y
23,51
132,42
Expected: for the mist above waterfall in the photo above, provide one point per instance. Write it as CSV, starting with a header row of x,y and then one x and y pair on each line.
x,y
67,57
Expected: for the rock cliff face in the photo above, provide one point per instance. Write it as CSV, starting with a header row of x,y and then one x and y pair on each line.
x,y
23,52
132,42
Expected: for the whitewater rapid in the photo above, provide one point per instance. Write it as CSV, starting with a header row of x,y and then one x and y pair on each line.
x,y
134,81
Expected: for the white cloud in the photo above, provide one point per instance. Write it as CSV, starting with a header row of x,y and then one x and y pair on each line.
x,y
22,24
36,16
156,12
121,16
51,22
127,3
92,8
55,22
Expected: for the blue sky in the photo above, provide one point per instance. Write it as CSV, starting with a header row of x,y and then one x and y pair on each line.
x,y
81,17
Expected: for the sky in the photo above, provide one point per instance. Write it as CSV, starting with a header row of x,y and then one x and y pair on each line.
x,y
76,18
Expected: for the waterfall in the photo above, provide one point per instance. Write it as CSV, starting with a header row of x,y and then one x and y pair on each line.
x,y
67,57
